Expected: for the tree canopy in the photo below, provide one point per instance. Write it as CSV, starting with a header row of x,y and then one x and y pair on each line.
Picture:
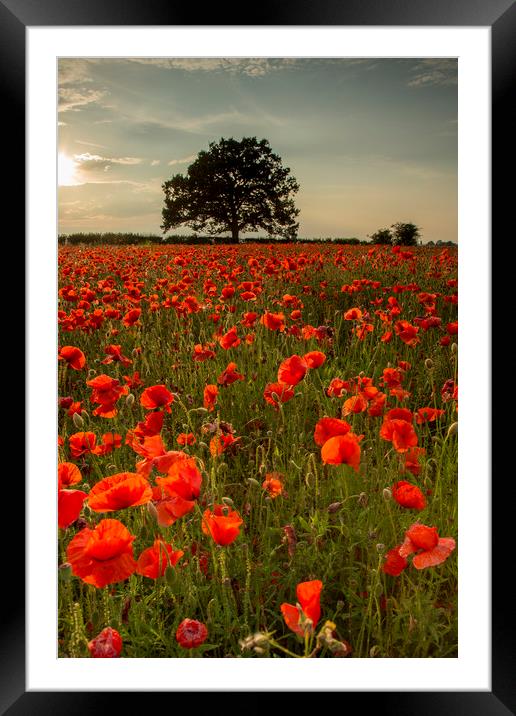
x,y
235,186
405,234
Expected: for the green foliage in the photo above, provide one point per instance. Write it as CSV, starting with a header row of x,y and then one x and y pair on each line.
x,y
235,186
382,236
405,234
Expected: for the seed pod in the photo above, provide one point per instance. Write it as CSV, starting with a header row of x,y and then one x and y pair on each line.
x,y
363,499
387,494
380,548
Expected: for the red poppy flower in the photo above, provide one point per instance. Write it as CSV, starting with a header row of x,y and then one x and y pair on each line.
x,y
107,645
292,370
412,463
431,548
273,321
276,393
229,339
202,353
68,474
82,443
229,375
407,332
114,353
210,397
222,523
328,428
69,506
154,560
400,433
116,492
305,616
73,356
337,388
314,359
106,392
131,317
220,443
408,495
103,555
353,314
157,396
428,415
185,439
273,484
394,563
191,633
342,449
399,414
356,404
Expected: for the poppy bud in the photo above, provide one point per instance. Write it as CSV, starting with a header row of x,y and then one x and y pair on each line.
x,y
228,501
151,509
429,364
454,348
85,415
387,494
129,401
374,651
92,372
252,481
334,507
78,421
452,430
362,499
135,352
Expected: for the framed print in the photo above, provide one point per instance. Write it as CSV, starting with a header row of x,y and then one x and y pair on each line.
x,y
83,179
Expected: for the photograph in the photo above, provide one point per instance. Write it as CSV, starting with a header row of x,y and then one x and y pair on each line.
x,y
257,357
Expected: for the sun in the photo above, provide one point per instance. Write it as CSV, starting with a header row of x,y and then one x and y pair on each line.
x,y
66,168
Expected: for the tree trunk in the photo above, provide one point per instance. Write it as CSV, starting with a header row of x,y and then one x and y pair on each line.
x,y
234,233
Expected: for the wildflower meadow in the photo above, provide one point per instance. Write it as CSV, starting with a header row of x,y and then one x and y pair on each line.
x,y
257,451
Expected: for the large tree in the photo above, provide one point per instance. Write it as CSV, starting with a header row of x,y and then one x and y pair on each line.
x,y
405,234
235,186
382,236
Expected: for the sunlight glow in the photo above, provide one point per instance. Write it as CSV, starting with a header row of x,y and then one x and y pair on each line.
x,y
66,171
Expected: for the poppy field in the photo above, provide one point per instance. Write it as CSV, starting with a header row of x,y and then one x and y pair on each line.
x,y
257,451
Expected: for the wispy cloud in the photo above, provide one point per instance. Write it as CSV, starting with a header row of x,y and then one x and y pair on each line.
x,y
185,160
430,72
73,99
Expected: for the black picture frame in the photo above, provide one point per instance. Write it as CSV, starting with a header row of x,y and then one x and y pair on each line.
x,y
500,16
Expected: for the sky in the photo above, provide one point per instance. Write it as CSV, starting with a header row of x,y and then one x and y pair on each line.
x,y
370,141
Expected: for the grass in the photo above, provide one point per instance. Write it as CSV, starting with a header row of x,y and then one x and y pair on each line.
x,y
344,545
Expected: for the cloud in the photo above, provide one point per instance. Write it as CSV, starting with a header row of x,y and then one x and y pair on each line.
x,y
90,144
431,72
172,162
155,162
74,99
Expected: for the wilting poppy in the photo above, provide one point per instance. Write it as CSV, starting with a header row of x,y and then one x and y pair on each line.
x,y
114,354
292,370
220,443
154,560
157,396
191,633
103,555
73,356
222,523
354,405
431,548
116,492
107,645
342,449
69,506
408,495
305,616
